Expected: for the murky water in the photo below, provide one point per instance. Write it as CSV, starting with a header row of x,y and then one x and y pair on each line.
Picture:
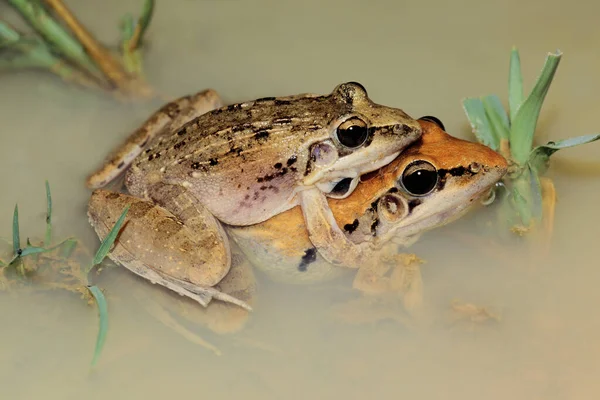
x,y
421,56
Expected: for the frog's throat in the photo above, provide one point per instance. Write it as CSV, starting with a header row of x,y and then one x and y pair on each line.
x,y
348,169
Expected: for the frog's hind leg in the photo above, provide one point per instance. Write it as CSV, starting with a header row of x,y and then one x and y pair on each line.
x,y
188,253
171,116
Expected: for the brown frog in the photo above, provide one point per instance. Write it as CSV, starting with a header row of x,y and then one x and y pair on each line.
x,y
241,164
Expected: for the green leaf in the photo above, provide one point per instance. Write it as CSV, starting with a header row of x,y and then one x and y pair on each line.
x,y
48,237
67,248
515,83
145,19
35,250
497,116
520,194
109,240
535,188
15,231
8,36
53,32
482,128
103,326
525,120
540,156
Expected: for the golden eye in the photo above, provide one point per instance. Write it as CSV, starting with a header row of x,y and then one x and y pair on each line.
x,y
353,132
419,178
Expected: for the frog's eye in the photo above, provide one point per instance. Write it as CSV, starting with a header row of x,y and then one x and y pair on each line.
x,y
419,178
353,132
433,119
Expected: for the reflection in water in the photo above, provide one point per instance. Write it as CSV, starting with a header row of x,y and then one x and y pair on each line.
x,y
545,343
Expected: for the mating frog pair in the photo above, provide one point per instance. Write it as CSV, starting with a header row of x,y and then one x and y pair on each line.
x,y
193,171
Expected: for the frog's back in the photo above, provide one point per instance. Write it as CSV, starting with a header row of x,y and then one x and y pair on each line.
x,y
247,158
245,162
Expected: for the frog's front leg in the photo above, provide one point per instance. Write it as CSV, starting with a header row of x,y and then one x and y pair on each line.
x,y
157,245
325,234
167,118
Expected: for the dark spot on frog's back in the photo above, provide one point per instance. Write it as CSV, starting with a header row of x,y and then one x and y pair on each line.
x,y
179,145
138,209
261,135
351,227
309,257
292,160
213,161
278,165
112,195
166,228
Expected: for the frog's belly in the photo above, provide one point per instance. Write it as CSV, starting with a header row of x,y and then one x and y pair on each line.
x,y
284,258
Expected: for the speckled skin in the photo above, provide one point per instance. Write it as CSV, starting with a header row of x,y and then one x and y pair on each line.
x,y
245,162
239,164
281,245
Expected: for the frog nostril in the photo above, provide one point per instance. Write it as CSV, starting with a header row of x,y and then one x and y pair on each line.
x,y
475,167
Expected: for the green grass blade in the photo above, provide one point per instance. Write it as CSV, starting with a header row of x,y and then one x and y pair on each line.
x,y
525,121
15,231
536,194
480,124
39,19
515,84
8,36
48,237
540,155
521,197
109,240
497,116
103,325
145,19
68,247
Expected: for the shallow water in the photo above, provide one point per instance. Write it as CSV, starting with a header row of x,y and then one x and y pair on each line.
x,y
421,56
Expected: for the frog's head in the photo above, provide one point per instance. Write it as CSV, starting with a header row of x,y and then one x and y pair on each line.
x,y
363,136
433,182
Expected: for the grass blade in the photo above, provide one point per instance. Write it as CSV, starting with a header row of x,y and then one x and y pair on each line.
x,y
48,237
8,35
144,21
540,156
15,231
525,121
103,325
109,240
480,123
497,116
40,20
515,84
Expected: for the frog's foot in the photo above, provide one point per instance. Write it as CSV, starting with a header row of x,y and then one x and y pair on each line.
x,y
163,121
326,235
404,279
202,294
